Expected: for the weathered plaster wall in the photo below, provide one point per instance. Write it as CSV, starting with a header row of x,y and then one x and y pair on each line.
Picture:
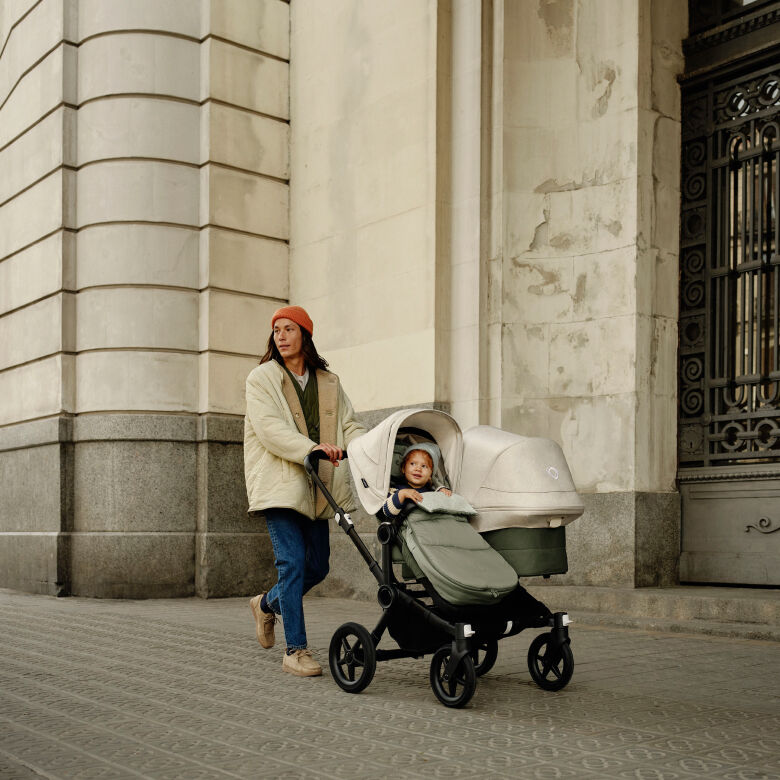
x,y
570,232
590,150
589,285
363,178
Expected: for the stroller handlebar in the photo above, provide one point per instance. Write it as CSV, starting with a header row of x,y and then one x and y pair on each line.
x,y
310,461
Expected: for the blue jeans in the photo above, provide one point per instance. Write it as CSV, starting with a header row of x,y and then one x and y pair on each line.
x,y
301,552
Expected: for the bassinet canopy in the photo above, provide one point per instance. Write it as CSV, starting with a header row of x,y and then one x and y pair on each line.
x,y
516,481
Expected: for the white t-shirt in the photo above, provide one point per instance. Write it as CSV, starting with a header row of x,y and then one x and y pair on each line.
x,y
302,380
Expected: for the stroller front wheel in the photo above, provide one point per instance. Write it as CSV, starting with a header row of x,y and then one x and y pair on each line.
x,y
457,690
352,657
484,655
550,666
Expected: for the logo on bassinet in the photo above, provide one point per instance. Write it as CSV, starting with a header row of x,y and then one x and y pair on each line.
x,y
552,471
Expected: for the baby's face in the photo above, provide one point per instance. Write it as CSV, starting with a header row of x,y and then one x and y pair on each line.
x,y
418,468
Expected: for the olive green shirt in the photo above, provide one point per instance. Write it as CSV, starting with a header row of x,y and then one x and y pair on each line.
x,y
310,403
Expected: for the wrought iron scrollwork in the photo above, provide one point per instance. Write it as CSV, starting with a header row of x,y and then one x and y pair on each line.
x,y
749,97
729,369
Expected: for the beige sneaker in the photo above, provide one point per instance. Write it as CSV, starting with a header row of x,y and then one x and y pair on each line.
x,y
301,664
264,622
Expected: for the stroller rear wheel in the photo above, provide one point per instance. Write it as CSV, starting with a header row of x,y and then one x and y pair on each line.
x,y
484,655
352,657
550,666
457,690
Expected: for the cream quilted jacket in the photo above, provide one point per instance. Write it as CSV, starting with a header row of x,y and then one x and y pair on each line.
x,y
276,442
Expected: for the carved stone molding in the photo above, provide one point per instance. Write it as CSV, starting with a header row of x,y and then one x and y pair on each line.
x,y
743,25
765,525
751,472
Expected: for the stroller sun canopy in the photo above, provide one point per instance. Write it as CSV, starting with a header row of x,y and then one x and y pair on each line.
x,y
371,455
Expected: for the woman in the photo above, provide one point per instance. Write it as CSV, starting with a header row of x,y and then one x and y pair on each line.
x,y
293,407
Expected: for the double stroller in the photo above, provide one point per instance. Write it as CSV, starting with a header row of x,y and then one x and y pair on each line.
x,y
448,576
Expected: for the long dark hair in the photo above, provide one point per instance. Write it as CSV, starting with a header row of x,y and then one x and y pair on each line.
x,y
311,357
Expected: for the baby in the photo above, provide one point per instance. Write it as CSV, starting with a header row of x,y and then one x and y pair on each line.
x,y
417,465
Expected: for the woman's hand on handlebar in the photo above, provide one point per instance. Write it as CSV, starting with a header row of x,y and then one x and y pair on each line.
x,y
333,453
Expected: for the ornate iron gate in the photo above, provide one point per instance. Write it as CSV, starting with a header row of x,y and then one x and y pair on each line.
x,y
729,379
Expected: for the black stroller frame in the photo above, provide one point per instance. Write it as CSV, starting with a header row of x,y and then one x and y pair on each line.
x,y
463,640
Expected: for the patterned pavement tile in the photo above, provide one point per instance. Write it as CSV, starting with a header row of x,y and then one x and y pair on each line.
x,y
748,773
180,689
13,770
767,744
644,772
556,772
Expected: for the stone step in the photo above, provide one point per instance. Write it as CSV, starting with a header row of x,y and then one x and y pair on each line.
x,y
758,631
750,613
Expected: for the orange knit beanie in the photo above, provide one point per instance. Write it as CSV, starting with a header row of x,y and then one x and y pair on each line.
x,y
297,314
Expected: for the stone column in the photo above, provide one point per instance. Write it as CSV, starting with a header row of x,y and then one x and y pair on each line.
x,y
662,25
37,303
461,269
243,273
149,241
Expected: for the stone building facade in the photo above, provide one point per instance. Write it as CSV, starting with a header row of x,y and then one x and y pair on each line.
x,y
145,227
477,202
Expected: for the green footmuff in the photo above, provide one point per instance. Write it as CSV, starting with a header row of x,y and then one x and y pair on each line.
x,y
531,551
460,564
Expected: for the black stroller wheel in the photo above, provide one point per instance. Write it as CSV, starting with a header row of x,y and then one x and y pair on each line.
x,y
550,666
458,689
484,655
352,657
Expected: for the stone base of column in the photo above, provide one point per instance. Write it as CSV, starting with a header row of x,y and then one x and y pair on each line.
x,y
36,489
129,506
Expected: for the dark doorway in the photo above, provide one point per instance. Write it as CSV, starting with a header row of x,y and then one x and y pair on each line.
x,y
729,377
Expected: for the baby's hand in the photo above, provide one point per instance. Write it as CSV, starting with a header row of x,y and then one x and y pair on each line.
x,y
410,493
446,491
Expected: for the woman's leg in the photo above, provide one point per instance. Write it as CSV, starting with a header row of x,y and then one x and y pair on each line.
x,y
287,531
317,536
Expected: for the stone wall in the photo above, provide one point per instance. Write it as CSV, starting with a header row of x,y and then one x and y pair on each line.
x,y
363,178
588,249
37,302
479,201
143,246
497,185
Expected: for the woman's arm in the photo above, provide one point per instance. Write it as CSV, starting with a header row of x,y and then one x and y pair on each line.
x,y
273,431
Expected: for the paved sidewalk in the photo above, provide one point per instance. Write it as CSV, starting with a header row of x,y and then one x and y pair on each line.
x,y
181,689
